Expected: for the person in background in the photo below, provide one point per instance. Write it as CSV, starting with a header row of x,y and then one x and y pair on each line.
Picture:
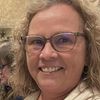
x,y
59,52
6,61
7,66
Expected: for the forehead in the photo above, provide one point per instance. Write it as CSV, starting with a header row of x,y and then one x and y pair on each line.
x,y
56,16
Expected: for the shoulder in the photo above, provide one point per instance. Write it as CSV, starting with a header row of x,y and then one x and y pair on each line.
x,y
82,92
33,96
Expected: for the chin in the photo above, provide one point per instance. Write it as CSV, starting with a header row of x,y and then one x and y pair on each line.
x,y
48,86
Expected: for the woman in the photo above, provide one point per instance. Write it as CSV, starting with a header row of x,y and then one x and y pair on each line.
x,y
59,56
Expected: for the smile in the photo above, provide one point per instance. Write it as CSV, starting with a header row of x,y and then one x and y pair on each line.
x,y
50,69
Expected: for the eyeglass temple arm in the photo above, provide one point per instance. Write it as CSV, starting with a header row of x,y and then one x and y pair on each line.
x,y
80,34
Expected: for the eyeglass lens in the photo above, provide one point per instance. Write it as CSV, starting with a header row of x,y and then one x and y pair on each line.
x,y
60,42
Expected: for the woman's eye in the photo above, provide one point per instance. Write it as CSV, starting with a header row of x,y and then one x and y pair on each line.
x,y
36,42
64,40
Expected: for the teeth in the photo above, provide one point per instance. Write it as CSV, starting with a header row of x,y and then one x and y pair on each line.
x,y
50,69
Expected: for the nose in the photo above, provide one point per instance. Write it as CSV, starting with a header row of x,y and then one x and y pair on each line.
x,y
48,53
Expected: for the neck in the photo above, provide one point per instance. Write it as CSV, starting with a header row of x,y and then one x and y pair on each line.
x,y
51,97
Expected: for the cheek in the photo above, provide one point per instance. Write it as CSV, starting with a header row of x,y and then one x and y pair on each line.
x,y
74,64
79,54
32,62
75,60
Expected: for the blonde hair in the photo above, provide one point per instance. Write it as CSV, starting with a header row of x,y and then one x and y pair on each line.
x,y
92,74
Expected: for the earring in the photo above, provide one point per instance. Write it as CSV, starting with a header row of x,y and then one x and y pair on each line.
x,y
85,72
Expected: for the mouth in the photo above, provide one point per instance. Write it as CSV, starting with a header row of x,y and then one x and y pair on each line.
x,y
50,69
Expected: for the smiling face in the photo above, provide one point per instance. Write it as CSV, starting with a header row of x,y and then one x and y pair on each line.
x,y
53,71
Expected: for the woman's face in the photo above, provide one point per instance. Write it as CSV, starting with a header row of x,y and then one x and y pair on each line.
x,y
53,71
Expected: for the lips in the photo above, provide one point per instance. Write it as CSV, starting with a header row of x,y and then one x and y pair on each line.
x,y
50,69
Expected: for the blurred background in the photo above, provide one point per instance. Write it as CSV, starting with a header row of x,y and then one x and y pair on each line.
x,y
12,13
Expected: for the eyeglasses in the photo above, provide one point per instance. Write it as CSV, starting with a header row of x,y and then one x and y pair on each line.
x,y
2,66
60,42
